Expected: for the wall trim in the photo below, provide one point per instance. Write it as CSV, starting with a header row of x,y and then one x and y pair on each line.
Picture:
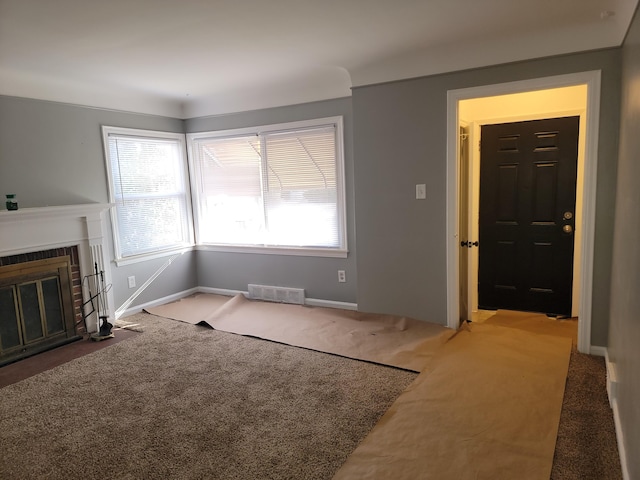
x,y
612,378
612,392
160,301
311,302
592,79
222,291
316,302
598,351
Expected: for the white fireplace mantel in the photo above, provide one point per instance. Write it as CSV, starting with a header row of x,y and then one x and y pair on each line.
x,y
42,228
29,229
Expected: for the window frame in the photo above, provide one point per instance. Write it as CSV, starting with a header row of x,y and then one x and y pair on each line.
x,y
340,251
187,242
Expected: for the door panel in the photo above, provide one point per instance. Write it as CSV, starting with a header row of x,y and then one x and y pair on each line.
x,y
545,187
527,183
507,201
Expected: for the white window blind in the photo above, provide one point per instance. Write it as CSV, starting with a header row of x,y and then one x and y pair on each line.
x,y
148,184
273,188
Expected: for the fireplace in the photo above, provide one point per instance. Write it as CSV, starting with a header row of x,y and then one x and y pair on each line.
x,y
44,255
40,302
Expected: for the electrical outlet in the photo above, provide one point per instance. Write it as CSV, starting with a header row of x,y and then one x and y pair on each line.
x,y
342,276
132,281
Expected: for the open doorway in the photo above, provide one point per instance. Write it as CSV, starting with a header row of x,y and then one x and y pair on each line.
x,y
528,107
567,95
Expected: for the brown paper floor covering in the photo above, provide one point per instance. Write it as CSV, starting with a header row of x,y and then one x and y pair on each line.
x,y
536,323
385,339
488,408
585,446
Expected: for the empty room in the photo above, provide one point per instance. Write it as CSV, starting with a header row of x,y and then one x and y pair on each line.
x,y
319,240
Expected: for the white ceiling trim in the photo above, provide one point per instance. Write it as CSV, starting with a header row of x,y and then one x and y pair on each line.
x,y
192,58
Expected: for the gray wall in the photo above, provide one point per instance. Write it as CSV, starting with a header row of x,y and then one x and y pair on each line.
x,y
181,275
317,275
400,140
624,329
395,137
51,154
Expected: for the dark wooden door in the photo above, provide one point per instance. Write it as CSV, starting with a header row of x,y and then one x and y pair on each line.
x,y
527,215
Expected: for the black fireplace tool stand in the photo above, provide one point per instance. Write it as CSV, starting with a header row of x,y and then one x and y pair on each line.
x,y
98,304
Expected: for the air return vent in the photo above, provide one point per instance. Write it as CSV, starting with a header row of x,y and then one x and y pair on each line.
x,y
277,294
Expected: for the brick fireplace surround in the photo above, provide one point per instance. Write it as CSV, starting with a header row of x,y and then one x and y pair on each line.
x,y
76,231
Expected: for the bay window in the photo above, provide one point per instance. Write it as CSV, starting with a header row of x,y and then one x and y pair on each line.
x,y
275,189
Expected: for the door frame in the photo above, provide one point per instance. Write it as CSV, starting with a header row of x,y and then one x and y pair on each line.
x,y
592,79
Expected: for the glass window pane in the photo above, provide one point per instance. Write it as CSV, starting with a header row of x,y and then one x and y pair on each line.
x,y
52,306
31,311
148,224
9,330
150,190
275,188
301,203
231,206
146,166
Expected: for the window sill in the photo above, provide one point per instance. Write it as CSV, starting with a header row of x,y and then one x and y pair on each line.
x,y
152,256
291,251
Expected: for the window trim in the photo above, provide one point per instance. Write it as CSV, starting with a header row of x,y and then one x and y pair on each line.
x,y
337,252
188,242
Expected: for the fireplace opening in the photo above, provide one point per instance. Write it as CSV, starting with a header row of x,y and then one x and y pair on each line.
x,y
38,308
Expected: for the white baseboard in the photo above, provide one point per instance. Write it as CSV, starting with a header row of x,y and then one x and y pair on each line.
x,y
620,438
316,302
159,301
222,291
612,379
612,392
597,351
313,302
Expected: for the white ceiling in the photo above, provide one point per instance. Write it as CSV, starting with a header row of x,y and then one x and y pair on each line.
x,y
190,58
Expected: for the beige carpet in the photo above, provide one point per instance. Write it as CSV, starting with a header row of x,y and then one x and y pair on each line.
x,y
488,408
181,402
385,339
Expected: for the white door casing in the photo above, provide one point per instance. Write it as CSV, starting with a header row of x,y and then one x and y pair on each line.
x,y
588,196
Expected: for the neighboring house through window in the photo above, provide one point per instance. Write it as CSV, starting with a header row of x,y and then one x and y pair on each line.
x,y
271,189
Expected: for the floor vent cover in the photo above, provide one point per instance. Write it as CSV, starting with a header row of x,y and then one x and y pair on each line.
x,y
277,294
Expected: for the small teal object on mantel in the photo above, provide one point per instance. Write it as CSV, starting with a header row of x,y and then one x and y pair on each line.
x,y
12,201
